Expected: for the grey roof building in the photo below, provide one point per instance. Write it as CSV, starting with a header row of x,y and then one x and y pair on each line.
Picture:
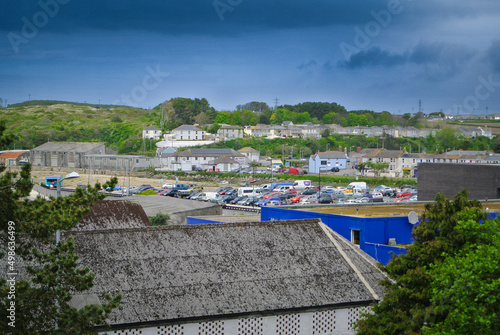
x,y
66,154
257,275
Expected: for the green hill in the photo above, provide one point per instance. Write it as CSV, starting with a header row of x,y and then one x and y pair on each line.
x,y
35,122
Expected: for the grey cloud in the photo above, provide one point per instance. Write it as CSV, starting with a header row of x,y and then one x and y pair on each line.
x,y
373,57
493,55
439,60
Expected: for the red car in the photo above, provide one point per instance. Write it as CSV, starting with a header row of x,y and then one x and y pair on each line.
x,y
403,199
403,194
267,196
297,199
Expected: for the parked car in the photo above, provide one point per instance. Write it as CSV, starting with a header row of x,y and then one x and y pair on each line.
x,y
402,199
403,194
335,169
168,185
325,199
172,193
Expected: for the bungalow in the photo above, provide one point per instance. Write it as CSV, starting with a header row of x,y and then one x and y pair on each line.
x,y
327,160
14,157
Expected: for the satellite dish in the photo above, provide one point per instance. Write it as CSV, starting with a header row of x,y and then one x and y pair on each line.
x,y
413,217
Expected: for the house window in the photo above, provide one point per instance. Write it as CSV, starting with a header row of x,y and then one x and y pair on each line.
x,y
323,162
355,236
196,158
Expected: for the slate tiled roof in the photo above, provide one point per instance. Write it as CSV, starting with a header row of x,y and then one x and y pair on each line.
x,y
114,214
187,127
197,271
152,128
332,155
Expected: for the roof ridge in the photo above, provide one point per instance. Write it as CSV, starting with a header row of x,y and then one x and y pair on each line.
x,y
349,261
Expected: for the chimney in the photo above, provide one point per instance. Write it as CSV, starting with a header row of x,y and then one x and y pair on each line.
x,y
340,148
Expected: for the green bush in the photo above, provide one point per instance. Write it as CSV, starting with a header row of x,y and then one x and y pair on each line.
x,y
147,192
159,219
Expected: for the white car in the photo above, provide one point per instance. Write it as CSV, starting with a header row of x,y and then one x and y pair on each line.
x,y
168,186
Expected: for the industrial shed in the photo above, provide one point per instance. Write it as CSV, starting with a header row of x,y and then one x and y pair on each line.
x,y
280,277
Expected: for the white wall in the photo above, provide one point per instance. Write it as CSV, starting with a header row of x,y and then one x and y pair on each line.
x,y
331,322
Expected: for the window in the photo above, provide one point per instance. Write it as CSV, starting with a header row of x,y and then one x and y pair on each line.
x,y
323,162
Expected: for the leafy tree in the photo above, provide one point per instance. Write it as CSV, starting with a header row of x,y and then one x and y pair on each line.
x,y
466,285
378,167
448,138
408,302
42,298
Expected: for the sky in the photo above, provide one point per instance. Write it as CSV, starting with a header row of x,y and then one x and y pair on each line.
x,y
400,56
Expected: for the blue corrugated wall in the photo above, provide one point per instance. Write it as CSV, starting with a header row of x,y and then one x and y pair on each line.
x,y
374,232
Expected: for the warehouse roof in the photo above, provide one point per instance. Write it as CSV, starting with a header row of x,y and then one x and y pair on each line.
x,y
198,271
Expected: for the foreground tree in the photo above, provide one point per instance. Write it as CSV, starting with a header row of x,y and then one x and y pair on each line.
x,y
415,299
37,300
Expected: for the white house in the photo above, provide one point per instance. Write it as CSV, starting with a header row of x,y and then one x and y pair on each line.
x,y
228,132
250,153
151,133
327,160
223,160
188,133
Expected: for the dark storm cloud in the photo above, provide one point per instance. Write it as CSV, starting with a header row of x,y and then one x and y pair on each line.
x,y
440,60
493,55
195,16
373,57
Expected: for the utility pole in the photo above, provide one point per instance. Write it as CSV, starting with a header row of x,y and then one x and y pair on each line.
x,y
420,105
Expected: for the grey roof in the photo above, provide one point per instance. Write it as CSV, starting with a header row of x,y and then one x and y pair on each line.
x,y
187,127
196,271
222,160
212,151
68,146
151,128
332,155
114,214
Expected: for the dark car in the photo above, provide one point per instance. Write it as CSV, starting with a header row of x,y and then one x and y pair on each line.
x,y
325,199
335,169
309,191
172,193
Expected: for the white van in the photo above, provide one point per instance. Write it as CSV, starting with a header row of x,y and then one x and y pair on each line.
x,y
283,188
302,184
356,187
247,191
209,196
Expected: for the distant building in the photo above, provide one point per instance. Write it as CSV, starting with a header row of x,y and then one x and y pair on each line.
x,y
228,132
482,181
66,154
151,133
14,157
327,160
120,162
250,153
222,160
188,133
